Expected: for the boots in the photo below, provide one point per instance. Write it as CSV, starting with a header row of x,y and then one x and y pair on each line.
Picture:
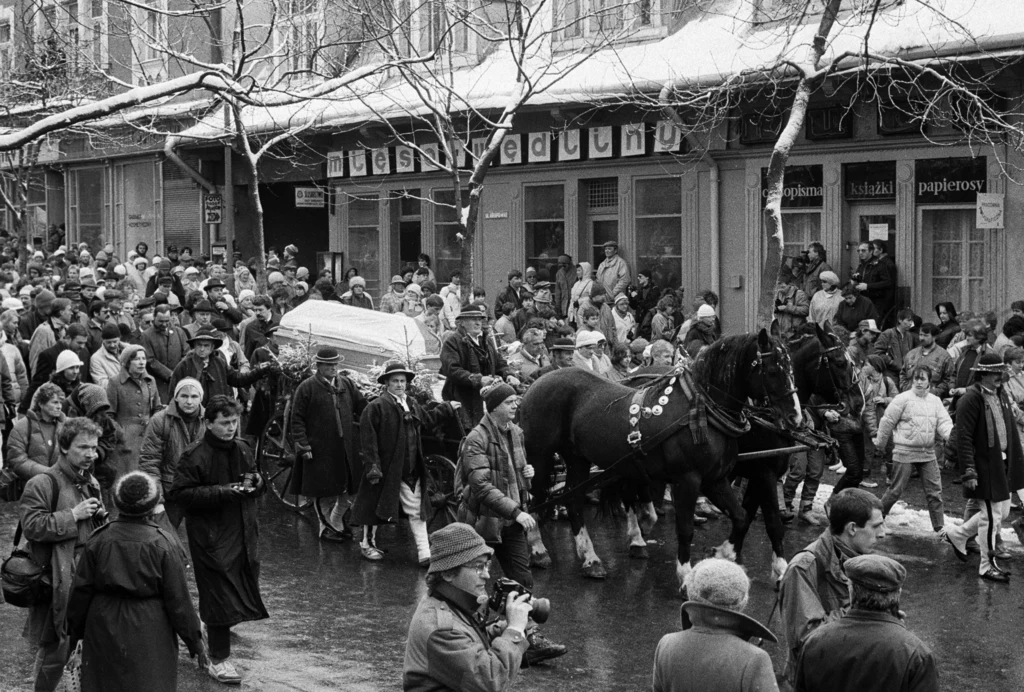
x,y
541,648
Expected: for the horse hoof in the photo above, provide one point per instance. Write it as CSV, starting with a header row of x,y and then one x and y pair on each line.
x,y
638,552
595,570
540,561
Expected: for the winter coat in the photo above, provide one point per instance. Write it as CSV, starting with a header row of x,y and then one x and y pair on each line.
x,y
364,301
946,333
915,424
883,387
791,309
256,335
104,367
19,373
880,277
579,295
978,449
850,316
964,359
528,365
812,278
45,336
55,538
565,277
509,295
176,288
223,533
893,347
711,655
165,441
129,605
447,649
814,590
940,363
385,430
391,302
132,403
163,353
699,336
613,273
463,365
32,446
487,468
823,307
866,650
323,417
217,377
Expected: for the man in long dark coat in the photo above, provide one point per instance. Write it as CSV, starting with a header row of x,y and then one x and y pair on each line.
x,y
166,346
469,362
216,484
990,457
323,412
395,476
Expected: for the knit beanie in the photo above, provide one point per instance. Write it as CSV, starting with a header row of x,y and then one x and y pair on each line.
x,y
454,546
496,395
136,494
43,300
187,382
719,583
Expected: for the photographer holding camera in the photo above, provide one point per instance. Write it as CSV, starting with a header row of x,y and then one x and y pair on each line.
x,y
492,481
449,645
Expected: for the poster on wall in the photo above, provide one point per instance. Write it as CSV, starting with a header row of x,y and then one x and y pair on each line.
x,y
878,231
309,198
990,210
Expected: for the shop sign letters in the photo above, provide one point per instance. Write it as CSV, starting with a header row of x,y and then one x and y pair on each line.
x,y
309,198
573,144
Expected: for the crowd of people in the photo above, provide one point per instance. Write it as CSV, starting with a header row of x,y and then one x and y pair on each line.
x,y
130,388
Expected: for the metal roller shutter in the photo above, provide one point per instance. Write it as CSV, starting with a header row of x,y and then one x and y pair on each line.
x,y
182,207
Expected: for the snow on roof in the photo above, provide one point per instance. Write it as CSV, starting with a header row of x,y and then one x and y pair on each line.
x,y
705,51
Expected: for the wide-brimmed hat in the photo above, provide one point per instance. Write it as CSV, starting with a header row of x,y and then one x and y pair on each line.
x,y
395,368
989,362
454,546
207,334
562,344
329,356
472,311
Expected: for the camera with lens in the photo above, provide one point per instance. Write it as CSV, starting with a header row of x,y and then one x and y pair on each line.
x,y
503,587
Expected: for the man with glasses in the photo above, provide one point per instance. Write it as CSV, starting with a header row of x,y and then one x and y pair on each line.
x,y
492,480
99,315
448,646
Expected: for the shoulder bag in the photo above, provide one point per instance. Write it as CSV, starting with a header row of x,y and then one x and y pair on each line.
x,y
25,582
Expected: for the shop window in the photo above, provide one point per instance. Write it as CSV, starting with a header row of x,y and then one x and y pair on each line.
x,y
364,239
447,248
956,253
799,229
544,215
89,211
659,218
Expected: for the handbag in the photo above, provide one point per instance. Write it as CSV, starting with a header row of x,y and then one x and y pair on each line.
x,y
71,681
25,582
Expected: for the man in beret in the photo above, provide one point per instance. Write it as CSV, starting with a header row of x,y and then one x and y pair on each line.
x,y
448,647
492,480
869,648
814,589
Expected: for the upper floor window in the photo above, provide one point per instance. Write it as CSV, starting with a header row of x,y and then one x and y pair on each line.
x,y
615,20
421,26
299,33
798,11
6,47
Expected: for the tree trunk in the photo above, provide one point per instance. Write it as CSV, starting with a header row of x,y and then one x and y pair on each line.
x,y
257,206
469,223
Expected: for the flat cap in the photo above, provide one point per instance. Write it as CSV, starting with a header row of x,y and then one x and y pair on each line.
x,y
875,572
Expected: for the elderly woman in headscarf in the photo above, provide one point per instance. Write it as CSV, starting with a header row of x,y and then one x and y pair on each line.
x,y
243,279
412,304
579,297
134,398
135,274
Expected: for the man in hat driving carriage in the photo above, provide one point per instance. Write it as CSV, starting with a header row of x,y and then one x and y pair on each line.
x,y
392,451
323,413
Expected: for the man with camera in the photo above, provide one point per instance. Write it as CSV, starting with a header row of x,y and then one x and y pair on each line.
x,y
449,645
492,481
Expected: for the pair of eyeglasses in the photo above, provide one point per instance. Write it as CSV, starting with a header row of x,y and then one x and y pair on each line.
x,y
481,568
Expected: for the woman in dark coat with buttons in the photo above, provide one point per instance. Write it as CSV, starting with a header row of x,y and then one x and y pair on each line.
x,y
131,601
134,398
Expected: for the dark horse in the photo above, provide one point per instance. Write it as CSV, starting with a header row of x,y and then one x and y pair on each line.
x,y
586,420
820,369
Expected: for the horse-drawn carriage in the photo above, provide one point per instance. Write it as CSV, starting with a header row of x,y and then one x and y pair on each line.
x,y
366,339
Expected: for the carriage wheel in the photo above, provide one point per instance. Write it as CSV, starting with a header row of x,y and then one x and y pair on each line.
x,y
440,490
276,456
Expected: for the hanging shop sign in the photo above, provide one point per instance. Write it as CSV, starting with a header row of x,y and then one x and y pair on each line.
x,y
875,180
803,187
605,142
949,181
309,198
990,210
213,206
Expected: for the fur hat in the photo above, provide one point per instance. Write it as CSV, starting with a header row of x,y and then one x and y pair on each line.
x,y
455,545
136,494
830,277
357,281
275,278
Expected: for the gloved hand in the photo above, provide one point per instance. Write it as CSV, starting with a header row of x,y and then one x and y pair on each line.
x,y
374,475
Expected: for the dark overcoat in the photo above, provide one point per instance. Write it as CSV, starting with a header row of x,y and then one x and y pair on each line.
x,y
978,450
384,431
464,364
323,422
223,532
217,377
129,605
163,353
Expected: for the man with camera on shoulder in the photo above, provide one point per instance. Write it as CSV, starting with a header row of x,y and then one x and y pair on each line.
x,y
449,644
492,482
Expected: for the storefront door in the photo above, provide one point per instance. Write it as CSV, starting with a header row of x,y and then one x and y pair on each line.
x,y
866,223
603,229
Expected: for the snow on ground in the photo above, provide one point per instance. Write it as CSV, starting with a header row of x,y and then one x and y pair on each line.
x,y
904,520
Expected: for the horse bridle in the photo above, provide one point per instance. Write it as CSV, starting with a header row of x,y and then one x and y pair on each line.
x,y
825,362
758,364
